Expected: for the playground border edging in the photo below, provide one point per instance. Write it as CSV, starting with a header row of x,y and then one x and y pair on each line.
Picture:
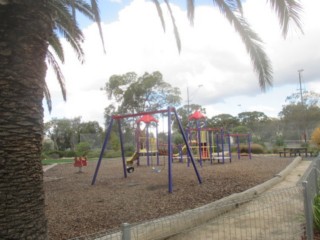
x,y
162,228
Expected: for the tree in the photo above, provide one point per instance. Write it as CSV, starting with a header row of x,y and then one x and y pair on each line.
x,y
184,114
225,121
297,119
301,115
139,94
26,27
315,137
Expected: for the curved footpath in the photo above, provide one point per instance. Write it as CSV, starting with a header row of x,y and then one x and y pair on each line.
x,y
287,179
194,223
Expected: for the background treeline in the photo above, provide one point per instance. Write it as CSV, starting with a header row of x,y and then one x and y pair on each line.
x,y
130,93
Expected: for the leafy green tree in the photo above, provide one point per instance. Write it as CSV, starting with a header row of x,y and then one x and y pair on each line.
x,y
225,121
184,114
26,28
135,94
299,120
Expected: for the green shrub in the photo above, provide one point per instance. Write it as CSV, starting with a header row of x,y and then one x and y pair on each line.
x,y
69,153
255,148
95,153
54,154
83,148
112,154
316,212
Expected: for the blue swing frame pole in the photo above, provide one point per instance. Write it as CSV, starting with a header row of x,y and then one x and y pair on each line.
x,y
199,142
229,145
102,151
238,146
157,142
122,149
170,185
222,143
188,147
147,144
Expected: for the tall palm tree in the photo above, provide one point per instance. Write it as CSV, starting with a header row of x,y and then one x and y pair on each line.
x,y
26,30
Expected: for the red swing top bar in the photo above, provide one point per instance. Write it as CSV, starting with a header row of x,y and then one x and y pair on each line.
x,y
140,114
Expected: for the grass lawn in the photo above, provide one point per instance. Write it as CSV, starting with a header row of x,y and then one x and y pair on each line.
x,y
61,160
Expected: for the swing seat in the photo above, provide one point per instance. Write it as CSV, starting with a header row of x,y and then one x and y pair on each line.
x,y
156,170
130,169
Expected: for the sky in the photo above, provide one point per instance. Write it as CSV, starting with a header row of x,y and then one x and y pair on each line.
x,y
213,63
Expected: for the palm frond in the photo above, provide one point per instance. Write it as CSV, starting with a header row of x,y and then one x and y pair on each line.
x,y
85,9
95,11
175,29
240,6
159,10
55,66
47,95
287,10
190,10
252,42
55,43
68,28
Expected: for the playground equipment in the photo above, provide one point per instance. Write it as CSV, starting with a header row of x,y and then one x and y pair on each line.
x,y
208,143
80,162
211,143
247,136
170,111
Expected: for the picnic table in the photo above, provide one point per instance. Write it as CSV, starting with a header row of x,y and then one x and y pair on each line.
x,y
294,151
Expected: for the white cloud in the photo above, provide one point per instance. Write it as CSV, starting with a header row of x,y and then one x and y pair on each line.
x,y
212,55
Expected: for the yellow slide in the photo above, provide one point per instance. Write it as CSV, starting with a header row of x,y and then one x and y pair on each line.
x,y
183,150
134,156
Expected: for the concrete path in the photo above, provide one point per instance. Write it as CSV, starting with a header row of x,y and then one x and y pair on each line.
x,y
276,214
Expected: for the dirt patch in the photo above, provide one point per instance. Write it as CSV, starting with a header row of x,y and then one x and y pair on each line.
x,y
76,208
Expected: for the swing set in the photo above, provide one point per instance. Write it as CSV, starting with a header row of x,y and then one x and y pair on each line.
x,y
148,119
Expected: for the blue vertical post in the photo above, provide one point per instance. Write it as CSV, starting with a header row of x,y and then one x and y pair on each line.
x,y
229,146
238,146
199,142
102,151
210,146
147,144
138,143
169,152
222,143
157,141
218,147
122,150
188,147
249,145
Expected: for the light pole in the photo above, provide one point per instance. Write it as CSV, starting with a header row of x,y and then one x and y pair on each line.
x,y
302,107
299,71
188,98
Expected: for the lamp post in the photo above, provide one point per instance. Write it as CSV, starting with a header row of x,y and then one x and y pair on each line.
x,y
188,97
302,106
299,71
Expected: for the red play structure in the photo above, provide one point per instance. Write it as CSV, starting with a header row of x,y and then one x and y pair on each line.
x,y
80,162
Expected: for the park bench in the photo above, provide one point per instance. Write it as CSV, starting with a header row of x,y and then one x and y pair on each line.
x,y
284,153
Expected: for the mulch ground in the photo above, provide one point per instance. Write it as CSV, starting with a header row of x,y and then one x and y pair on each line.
x,y
75,208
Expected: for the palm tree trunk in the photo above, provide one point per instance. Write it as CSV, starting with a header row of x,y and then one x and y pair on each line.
x,y
24,29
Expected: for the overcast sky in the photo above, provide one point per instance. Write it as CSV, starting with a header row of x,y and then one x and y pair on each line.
x,y
212,56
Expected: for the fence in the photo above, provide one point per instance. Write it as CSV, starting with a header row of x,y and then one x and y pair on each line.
x,y
282,214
